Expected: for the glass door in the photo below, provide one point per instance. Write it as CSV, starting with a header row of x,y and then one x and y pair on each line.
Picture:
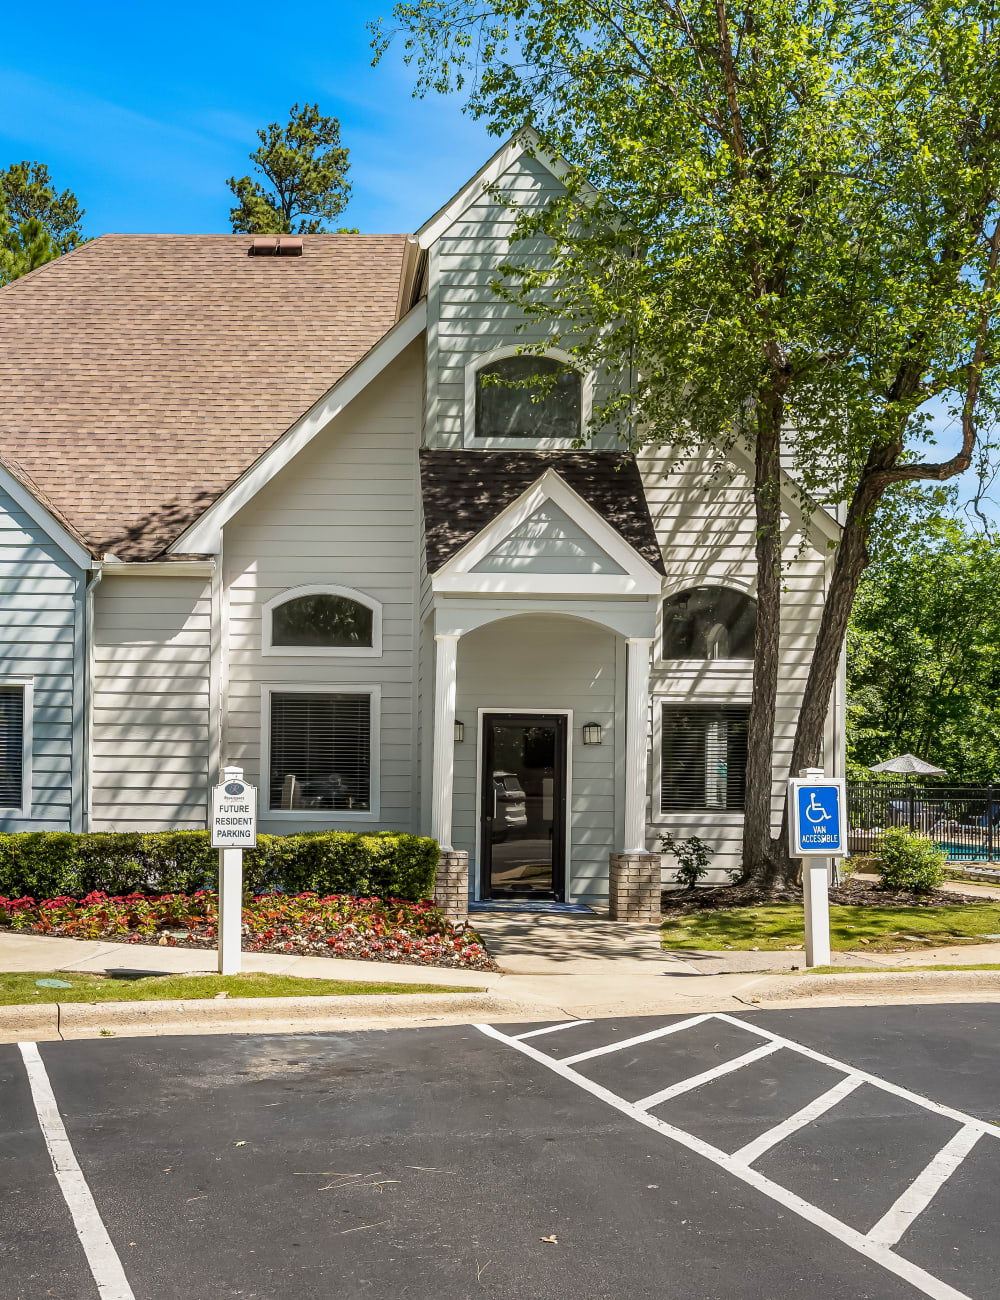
x,y
523,805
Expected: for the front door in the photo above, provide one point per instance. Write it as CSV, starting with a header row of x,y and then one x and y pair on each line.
x,y
523,806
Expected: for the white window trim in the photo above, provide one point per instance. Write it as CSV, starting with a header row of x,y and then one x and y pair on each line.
x,y
473,443
321,652
678,588
692,818
332,817
28,686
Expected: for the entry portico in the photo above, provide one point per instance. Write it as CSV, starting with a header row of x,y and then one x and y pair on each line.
x,y
543,619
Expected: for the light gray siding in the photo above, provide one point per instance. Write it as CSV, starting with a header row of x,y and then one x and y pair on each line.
x,y
705,527
152,667
41,639
465,319
547,663
345,512
548,542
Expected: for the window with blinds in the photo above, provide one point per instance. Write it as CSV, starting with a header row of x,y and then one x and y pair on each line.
x,y
704,753
11,746
320,751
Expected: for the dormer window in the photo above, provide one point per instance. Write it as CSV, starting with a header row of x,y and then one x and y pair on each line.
x,y
324,620
519,401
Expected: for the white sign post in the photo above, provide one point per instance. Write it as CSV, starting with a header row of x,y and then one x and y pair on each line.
x,y
234,828
818,833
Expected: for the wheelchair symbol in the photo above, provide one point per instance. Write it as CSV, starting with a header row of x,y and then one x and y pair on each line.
x,y
821,815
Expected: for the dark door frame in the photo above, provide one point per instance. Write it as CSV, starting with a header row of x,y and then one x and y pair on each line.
x,y
560,795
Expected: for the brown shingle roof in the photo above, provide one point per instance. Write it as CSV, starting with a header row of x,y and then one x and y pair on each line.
x,y
463,491
141,374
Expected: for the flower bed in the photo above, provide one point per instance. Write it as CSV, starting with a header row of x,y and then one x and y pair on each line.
x,y
339,925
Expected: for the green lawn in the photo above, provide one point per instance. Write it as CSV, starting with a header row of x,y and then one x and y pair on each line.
x,y
779,926
896,970
22,987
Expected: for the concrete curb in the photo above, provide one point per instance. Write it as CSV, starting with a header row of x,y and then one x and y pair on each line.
x,y
239,1015
887,985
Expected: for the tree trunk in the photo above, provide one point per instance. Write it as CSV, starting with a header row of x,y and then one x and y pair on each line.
x,y
759,864
850,563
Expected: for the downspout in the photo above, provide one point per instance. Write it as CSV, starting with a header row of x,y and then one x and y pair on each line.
x,y
93,582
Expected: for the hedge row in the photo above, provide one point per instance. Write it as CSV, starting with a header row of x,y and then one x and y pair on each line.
x,y
50,864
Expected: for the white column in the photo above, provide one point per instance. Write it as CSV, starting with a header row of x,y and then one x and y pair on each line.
x,y
816,904
636,734
443,780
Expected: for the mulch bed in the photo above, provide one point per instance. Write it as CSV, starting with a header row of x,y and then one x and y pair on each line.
x,y
850,894
361,929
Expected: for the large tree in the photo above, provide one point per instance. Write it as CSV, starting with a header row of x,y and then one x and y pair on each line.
x,y
27,193
794,239
23,247
305,172
923,653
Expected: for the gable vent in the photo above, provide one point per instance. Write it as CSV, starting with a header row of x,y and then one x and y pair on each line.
x,y
276,246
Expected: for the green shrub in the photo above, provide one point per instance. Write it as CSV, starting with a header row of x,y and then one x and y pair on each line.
x,y
50,864
909,861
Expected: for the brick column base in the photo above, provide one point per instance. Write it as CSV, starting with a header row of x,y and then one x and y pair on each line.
x,y
634,887
451,885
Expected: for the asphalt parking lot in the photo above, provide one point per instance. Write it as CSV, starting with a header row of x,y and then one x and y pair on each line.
x,y
850,1152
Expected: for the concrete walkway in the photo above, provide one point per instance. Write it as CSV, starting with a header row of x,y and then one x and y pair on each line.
x,y
572,965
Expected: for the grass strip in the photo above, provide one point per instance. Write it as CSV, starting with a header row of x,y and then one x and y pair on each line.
x,y
779,927
895,970
20,987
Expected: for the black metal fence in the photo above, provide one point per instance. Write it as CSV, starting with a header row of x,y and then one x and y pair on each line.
x,y
963,819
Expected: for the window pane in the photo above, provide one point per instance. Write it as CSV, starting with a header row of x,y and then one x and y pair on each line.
x,y
321,620
704,754
320,752
709,623
11,746
503,411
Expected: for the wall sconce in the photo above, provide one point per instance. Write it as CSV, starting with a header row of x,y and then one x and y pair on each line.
x,y
459,732
591,733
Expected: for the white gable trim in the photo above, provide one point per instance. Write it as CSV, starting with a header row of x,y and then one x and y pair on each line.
x,y
53,529
204,536
639,579
525,141
822,527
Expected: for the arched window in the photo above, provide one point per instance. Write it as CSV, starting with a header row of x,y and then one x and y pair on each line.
x,y
709,623
516,399
322,621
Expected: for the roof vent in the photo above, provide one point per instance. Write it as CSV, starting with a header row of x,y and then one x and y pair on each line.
x,y
276,246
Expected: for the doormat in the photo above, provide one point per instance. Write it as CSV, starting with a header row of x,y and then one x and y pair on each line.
x,y
527,905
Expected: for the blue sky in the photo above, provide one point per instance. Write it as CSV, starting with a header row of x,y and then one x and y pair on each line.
x,y
145,110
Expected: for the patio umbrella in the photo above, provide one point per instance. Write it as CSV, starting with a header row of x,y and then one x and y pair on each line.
x,y
908,765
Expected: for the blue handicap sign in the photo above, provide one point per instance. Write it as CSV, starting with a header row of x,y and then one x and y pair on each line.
x,y
818,808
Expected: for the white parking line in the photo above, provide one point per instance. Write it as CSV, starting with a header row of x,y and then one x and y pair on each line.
x,y
633,1042
959,1116
924,1282
717,1071
552,1029
102,1257
924,1187
755,1149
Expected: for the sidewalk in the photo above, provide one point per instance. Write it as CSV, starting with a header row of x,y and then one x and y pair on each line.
x,y
551,967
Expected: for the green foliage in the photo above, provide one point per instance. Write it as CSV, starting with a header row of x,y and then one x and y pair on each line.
x,y
923,654
783,214
693,857
305,169
46,864
23,248
28,194
909,861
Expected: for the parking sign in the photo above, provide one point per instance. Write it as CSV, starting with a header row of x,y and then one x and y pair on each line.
x,y
818,823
